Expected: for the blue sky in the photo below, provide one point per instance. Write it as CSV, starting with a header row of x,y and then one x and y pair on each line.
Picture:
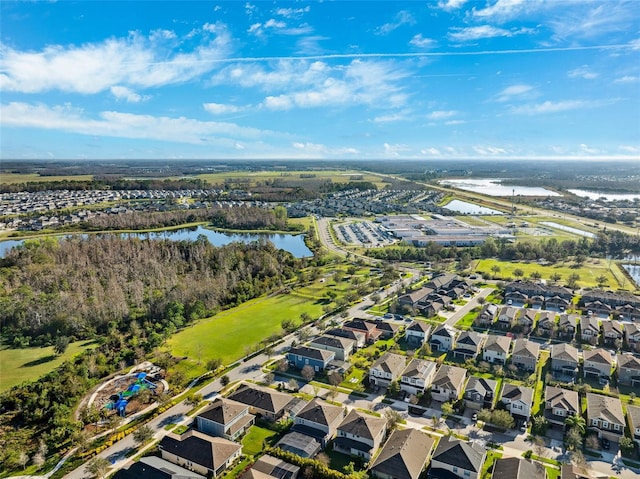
x,y
353,80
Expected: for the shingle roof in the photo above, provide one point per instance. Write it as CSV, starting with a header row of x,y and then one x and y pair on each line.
x,y
208,451
362,425
524,347
450,377
223,411
628,361
598,355
499,344
445,331
516,468
320,412
261,398
562,398
390,363
634,417
515,393
460,454
472,339
419,368
152,467
564,352
420,326
482,385
604,407
404,455
318,354
336,342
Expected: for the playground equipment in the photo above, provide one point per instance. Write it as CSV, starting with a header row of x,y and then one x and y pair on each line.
x,y
119,402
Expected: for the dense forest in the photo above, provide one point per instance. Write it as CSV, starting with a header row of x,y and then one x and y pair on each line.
x,y
76,287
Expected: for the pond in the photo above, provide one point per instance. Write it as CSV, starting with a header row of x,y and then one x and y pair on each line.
x,y
288,242
634,272
498,187
470,208
569,229
594,195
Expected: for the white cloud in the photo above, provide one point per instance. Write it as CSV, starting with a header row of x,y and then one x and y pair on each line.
x,y
513,91
441,114
556,106
272,23
582,72
392,117
315,150
449,5
455,122
124,93
629,149
419,41
501,9
395,150
403,17
221,108
135,61
430,151
125,125
310,45
281,102
466,34
293,12
627,79
489,150
590,20
588,150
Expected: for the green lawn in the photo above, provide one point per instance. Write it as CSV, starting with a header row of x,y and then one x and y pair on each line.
x,y
28,364
467,320
227,334
252,442
588,272
13,178
487,467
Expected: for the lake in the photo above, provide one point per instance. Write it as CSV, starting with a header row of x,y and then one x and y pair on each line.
x,y
497,187
470,208
288,242
569,229
634,272
594,195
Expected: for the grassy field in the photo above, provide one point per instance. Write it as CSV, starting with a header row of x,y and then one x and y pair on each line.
x,y
252,178
28,364
13,178
227,334
588,272
252,442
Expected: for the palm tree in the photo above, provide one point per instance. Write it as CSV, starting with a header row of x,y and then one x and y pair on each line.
x,y
576,422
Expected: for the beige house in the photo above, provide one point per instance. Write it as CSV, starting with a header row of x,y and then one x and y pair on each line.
x,y
386,369
597,363
460,458
496,349
564,360
417,376
318,419
628,369
360,434
633,414
448,383
605,417
404,455
559,404
525,354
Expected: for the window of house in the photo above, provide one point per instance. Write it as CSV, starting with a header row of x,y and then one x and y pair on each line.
x,y
605,424
616,427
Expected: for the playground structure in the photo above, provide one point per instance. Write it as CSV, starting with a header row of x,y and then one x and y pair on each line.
x,y
118,402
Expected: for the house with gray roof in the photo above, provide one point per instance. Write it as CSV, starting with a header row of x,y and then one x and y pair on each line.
x,y
443,338
597,363
612,334
300,444
516,468
628,369
632,336
225,418
153,467
547,325
518,400
469,345
417,333
359,338
417,376
456,458
341,347
404,456
559,404
448,383
199,452
319,420
633,415
589,329
360,434
508,317
266,402
525,354
386,369
480,393
488,314
564,360
496,349
302,356
268,467
567,326
605,416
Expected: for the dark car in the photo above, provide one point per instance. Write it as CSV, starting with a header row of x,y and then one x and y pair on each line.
x,y
605,443
474,416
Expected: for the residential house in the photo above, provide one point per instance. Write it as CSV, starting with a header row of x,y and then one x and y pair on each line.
x,y
518,400
468,345
387,330
433,304
342,347
360,434
266,402
597,308
612,334
605,417
480,393
153,467
225,418
547,325
411,300
564,360
627,312
386,369
456,458
612,299
527,319
559,404
204,454
299,444
443,338
557,303
302,356
597,363
488,314
417,333
633,415
319,420
448,383
530,288
404,455
417,376
536,301
516,468
525,354
371,333
267,467
628,370
632,336
516,297
508,317
589,329
496,349
567,326
571,471
359,338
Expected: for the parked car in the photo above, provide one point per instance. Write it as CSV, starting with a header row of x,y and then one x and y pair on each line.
x,y
474,416
606,445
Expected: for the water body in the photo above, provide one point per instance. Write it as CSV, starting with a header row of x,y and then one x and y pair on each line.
x,y
569,229
594,195
470,208
634,272
497,187
288,242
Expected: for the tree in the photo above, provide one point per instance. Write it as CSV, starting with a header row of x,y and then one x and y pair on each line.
x,y
447,409
214,363
481,300
572,280
592,442
576,422
23,459
535,275
502,419
62,342
495,269
601,280
335,378
540,425
518,273
98,467
193,399
142,434
282,365
573,439
224,381
307,372
38,460
555,277
269,377
393,418
626,444
394,389
292,385
539,446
